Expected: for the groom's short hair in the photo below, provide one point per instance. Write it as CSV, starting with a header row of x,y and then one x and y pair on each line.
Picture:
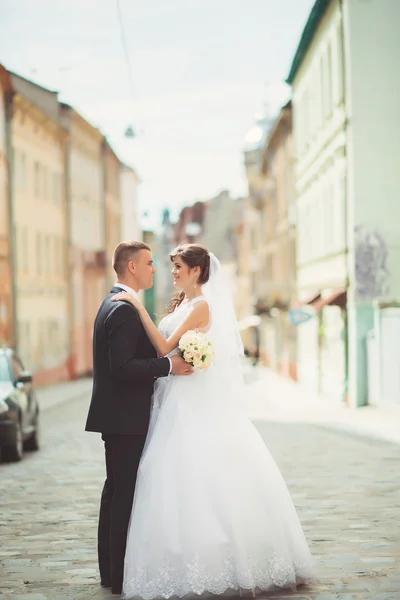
x,y
124,252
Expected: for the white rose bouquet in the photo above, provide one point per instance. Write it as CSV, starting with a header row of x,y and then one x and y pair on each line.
x,y
197,350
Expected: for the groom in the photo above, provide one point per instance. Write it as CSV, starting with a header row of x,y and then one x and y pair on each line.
x,y
125,366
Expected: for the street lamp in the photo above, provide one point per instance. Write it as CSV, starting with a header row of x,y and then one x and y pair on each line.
x,y
129,132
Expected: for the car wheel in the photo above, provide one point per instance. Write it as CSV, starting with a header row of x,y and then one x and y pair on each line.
x,y
15,452
33,442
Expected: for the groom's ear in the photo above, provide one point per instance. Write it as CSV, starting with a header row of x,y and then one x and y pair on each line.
x,y
131,266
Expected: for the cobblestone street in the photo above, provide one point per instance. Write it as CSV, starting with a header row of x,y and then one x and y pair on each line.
x,y
345,487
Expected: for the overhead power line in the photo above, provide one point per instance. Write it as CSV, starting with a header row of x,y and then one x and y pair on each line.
x,y
125,48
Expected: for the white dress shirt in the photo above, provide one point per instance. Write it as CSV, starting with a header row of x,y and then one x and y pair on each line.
x,y
126,288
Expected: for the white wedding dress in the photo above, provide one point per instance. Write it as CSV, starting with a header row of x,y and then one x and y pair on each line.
x,y
211,512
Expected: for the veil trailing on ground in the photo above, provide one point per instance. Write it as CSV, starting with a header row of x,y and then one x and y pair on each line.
x,y
224,332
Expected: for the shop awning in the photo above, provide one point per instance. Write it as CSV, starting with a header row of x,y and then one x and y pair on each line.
x,y
312,297
308,310
337,298
250,321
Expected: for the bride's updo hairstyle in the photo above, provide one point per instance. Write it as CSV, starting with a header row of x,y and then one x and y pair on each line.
x,y
192,255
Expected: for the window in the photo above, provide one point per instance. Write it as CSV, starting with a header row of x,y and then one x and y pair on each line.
x,y
26,343
322,86
37,178
61,257
306,119
58,262
25,249
48,253
55,188
39,253
17,237
5,374
17,168
44,171
340,61
23,171
329,80
329,219
17,367
42,345
60,189
24,336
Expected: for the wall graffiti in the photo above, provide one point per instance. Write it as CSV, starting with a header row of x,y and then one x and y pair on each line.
x,y
372,274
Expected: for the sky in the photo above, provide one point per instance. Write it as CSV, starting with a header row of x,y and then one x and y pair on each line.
x,y
197,73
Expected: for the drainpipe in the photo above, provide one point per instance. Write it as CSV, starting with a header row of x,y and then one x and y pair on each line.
x,y
68,261
346,208
8,96
104,211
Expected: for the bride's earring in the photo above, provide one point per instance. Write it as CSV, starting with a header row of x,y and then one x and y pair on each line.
x,y
195,284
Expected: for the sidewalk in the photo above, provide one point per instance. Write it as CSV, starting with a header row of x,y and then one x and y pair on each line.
x,y
54,395
275,398
272,398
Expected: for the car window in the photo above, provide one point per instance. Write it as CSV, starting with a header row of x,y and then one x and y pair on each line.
x,y
16,367
5,374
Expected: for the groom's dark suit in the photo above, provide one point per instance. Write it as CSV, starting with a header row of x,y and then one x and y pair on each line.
x,y
125,365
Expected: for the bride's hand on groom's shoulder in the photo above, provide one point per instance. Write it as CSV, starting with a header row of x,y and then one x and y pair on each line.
x,y
128,297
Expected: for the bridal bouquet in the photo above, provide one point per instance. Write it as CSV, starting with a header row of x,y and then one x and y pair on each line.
x,y
197,350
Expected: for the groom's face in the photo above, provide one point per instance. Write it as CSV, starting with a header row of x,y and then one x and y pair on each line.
x,y
144,269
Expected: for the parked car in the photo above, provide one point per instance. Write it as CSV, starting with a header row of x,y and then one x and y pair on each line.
x,y
19,409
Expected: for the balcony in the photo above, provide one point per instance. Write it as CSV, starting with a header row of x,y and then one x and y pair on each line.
x,y
95,259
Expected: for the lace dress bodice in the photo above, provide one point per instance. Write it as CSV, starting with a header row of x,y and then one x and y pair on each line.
x,y
170,322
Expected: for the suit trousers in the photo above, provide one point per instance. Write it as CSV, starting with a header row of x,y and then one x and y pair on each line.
x,y
122,453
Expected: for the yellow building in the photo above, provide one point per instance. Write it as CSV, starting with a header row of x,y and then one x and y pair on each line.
x,y
251,245
278,292
6,318
40,227
85,199
266,242
112,197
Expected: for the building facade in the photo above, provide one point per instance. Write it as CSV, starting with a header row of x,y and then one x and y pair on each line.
x,y
6,282
130,226
320,182
218,235
164,242
86,234
190,224
40,228
344,95
112,208
278,248
250,232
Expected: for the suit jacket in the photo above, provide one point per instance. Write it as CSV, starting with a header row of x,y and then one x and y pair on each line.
x,y
125,365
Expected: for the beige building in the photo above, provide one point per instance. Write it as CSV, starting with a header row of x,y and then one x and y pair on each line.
x,y
345,95
6,295
266,245
129,183
40,227
245,265
112,207
277,290
251,276
86,226
218,234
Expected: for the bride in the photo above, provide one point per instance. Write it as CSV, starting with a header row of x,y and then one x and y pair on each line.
x,y
211,512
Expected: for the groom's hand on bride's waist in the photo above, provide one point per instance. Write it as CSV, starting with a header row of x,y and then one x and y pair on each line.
x,y
179,366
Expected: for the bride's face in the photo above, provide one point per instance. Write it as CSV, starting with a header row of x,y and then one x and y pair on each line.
x,y
184,277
